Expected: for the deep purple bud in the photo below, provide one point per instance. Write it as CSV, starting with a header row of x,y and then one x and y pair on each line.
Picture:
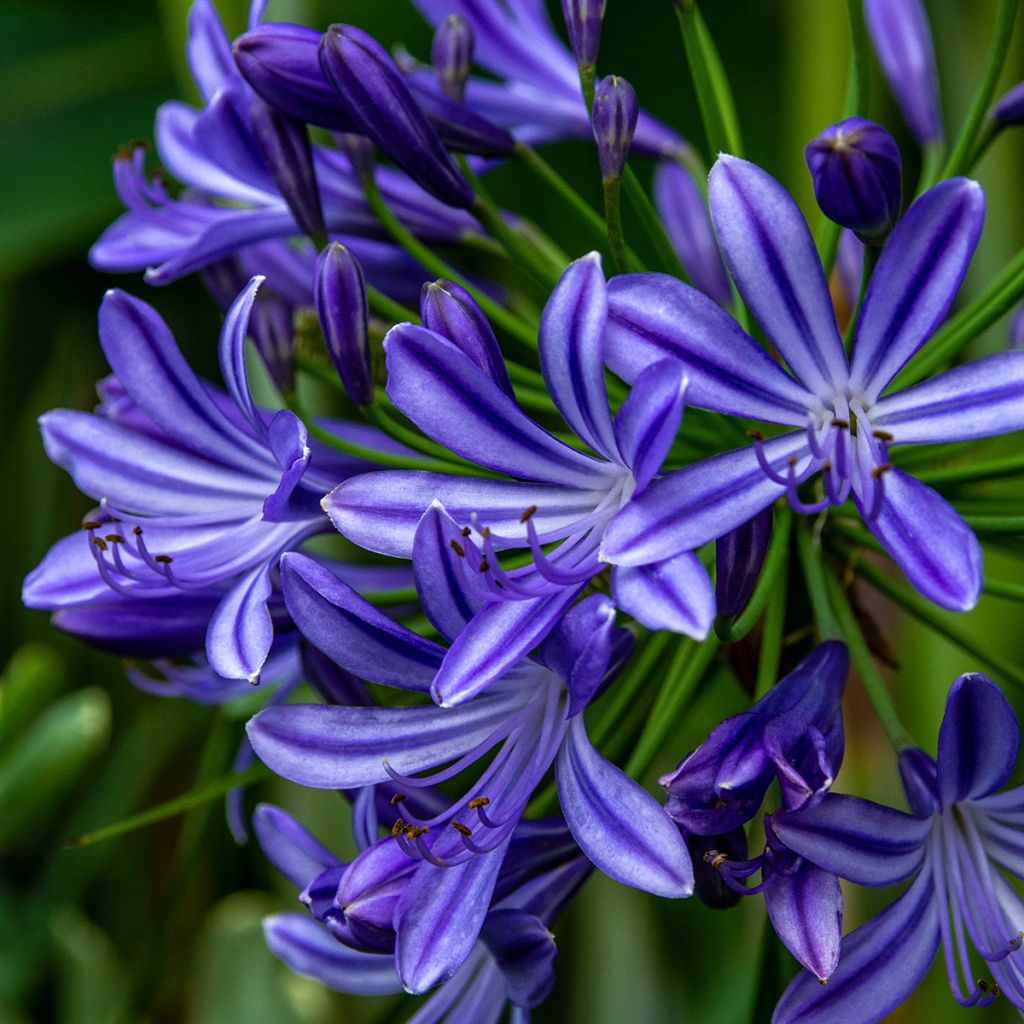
x,y
858,176
452,55
374,91
583,22
369,891
684,212
1015,336
615,113
739,556
359,150
449,310
1010,109
903,41
284,145
339,292
920,779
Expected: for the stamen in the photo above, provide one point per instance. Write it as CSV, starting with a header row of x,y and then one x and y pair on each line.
x,y
163,559
100,543
460,828
399,826
457,548
883,435
478,801
841,423
466,531
398,798
484,565
91,524
528,513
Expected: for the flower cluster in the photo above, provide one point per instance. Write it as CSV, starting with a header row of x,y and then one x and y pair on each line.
x,y
463,475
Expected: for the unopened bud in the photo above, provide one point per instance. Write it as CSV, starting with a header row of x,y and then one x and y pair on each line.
x,y
583,22
452,55
615,114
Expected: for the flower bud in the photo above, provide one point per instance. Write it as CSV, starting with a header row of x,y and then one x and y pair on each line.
x,y
284,145
739,556
583,22
857,174
615,113
359,150
903,41
452,55
374,91
1010,109
339,292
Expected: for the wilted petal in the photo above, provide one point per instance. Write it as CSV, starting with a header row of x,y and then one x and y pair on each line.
x,y
307,947
289,847
880,964
856,839
978,740
983,398
674,594
651,316
929,541
916,279
772,257
806,910
617,823
572,352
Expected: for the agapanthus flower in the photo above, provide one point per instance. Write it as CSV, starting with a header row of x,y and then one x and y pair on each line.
x,y
510,954
956,844
200,491
846,424
456,391
531,719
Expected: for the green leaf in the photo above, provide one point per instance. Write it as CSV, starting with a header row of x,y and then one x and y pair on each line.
x,y
93,987
32,679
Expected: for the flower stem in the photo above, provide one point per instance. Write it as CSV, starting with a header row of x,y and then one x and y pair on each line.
x,y
388,309
652,224
816,577
874,684
997,469
871,254
1008,589
613,220
771,639
963,152
860,77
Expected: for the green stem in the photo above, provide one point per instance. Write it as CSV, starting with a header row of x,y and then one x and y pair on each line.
x,y
771,639
389,309
439,267
714,97
198,797
652,224
624,690
931,164
1007,589
996,524
684,673
997,469
874,684
989,133
816,577
775,562
588,84
963,152
826,238
871,254
860,76
613,220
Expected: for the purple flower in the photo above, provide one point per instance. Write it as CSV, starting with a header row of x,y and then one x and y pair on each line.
x,y
858,177
793,734
614,116
507,950
531,719
1010,109
452,55
583,22
845,425
903,41
954,846
448,386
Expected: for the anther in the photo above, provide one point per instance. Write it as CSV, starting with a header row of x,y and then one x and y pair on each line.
x,y
137,531
528,513
484,565
91,524
466,531
100,543
399,827
457,548
461,829
415,831
717,859
398,798
982,984
826,466
883,435
114,538
478,801
879,470
163,559
485,532
757,435
839,422
792,460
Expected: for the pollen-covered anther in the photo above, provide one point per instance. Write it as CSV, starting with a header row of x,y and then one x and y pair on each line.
x,y
398,798
880,470
137,531
163,559
527,514
114,538
100,543
826,466
467,530
399,826
715,859
838,421
883,435
461,829
484,565
91,524
478,801
415,831
457,548
757,435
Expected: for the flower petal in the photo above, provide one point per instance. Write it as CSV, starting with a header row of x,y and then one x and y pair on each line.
x,y
773,260
983,398
571,343
241,631
674,594
806,910
617,823
651,316
880,964
978,740
351,631
930,542
289,847
209,52
524,950
856,839
687,508
739,556
917,278
453,401
307,947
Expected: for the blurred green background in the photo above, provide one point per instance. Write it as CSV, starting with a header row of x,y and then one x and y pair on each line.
x,y
162,924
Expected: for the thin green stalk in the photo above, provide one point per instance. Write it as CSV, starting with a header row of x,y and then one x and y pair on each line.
x,y
613,220
439,267
931,165
989,133
388,309
588,84
996,524
771,639
871,254
826,239
997,469
714,95
652,225
684,673
775,563
944,623
203,795
624,690
816,576
860,75
1008,589
963,152
874,684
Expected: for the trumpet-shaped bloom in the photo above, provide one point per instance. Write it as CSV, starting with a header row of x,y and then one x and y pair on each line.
x,y
451,389
845,422
960,838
